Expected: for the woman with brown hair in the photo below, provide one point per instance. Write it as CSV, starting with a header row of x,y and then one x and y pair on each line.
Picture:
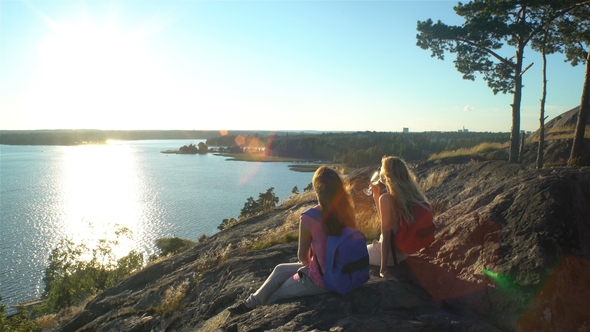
x,y
403,194
304,277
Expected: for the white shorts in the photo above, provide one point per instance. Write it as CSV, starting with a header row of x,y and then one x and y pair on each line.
x,y
375,255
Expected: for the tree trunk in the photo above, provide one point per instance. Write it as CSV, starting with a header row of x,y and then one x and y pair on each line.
x,y
522,138
515,132
542,116
583,112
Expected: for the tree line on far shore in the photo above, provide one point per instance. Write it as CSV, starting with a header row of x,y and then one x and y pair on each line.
x,y
358,149
93,136
194,149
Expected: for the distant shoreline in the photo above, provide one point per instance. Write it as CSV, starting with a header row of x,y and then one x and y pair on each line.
x,y
176,152
298,164
259,157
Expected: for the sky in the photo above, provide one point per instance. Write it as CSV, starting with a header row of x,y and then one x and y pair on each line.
x,y
250,65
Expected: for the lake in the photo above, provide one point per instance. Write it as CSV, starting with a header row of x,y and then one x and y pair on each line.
x,y
84,193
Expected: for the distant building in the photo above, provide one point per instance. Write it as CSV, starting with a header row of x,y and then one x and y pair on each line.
x,y
406,130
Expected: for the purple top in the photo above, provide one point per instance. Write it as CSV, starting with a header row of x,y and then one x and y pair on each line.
x,y
319,238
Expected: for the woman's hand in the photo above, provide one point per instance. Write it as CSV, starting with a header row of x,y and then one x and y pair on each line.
x,y
376,192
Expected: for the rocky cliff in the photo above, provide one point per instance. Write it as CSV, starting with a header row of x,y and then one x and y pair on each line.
x,y
512,253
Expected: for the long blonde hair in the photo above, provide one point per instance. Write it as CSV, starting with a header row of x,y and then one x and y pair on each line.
x,y
337,208
402,185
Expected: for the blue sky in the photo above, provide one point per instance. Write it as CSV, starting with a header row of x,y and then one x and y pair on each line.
x,y
268,65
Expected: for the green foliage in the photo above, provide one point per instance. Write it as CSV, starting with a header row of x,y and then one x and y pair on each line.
x,y
173,245
70,278
574,34
309,187
194,149
227,223
189,149
489,27
203,148
17,323
295,190
265,202
251,207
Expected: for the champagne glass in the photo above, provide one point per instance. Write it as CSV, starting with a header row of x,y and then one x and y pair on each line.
x,y
374,181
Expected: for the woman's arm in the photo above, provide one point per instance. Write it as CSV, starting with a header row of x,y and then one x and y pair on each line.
x,y
303,253
376,195
388,221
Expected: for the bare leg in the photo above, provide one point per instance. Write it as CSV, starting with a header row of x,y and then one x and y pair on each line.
x,y
279,275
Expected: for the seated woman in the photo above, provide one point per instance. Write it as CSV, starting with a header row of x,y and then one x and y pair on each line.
x,y
303,278
402,193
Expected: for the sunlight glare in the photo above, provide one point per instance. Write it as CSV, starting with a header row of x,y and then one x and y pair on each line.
x,y
102,189
97,77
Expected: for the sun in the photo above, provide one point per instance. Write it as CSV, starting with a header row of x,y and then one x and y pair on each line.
x,y
114,76
91,73
85,56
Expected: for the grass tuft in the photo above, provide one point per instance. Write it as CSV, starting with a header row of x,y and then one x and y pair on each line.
x,y
563,132
263,244
432,180
45,320
439,206
288,232
368,223
296,199
481,148
172,298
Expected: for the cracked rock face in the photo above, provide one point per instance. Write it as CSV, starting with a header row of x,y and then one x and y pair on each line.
x,y
520,237
512,252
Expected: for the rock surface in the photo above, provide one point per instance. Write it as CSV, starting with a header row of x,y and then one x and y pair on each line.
x,y
512,253
557,149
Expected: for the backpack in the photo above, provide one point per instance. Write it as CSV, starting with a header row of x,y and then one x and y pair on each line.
x,y
413,237
347,259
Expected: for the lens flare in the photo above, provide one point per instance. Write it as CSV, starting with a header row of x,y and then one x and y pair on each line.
x,y
502,281
253,145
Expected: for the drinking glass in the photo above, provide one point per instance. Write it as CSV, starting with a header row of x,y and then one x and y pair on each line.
x,y
374,181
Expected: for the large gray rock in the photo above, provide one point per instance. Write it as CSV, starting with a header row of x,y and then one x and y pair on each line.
x,y
511,253
515,247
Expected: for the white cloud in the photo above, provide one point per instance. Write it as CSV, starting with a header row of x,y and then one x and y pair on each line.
x,y
468,108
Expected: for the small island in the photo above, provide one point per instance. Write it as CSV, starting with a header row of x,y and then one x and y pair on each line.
x,y
201,148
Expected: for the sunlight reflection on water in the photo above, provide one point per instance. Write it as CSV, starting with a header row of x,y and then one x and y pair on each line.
x,y
100,185
84,193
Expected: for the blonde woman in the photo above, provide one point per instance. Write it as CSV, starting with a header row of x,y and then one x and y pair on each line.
x,y
403,193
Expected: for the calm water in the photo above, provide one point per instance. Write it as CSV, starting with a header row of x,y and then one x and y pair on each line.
x,y
84,192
